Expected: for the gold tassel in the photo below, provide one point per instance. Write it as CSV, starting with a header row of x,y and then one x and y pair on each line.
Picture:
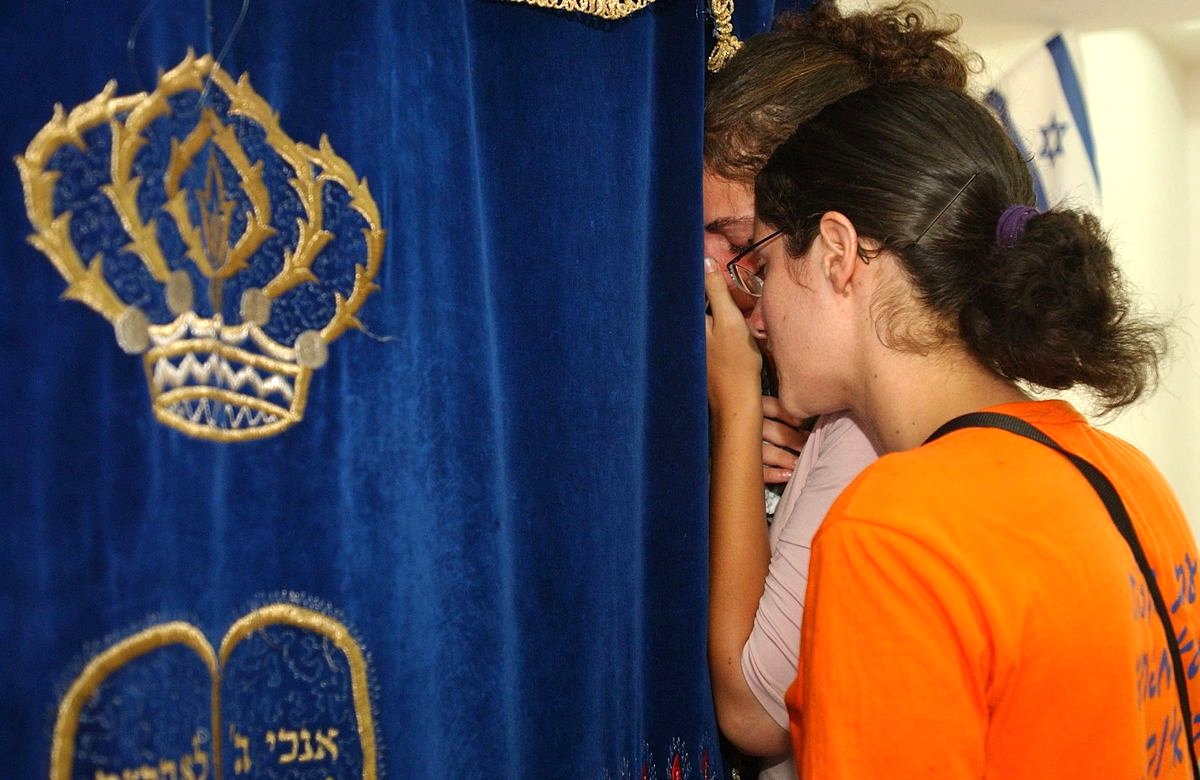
x,y
727,43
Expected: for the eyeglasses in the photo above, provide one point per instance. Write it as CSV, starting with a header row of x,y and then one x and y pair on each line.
x,y
743,278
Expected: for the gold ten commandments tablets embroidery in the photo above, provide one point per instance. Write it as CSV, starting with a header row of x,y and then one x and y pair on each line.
x,y
225,253
286,695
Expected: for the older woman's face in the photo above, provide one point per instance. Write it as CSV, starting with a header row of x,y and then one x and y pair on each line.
x,y
728,225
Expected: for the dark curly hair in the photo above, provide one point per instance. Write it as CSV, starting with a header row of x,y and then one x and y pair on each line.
x,y
926,172
783,77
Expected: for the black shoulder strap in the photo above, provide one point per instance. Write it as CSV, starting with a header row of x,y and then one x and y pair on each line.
x,y
1116,508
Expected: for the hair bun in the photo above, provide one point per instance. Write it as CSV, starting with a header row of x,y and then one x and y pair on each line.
x,y
1053,309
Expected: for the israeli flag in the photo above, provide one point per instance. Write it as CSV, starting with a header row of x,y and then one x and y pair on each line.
x,y
1040,103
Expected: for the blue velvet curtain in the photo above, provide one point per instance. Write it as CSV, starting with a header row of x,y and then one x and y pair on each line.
x,y
482,551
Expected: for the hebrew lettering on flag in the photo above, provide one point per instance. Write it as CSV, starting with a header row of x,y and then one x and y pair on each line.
x,y
1040,102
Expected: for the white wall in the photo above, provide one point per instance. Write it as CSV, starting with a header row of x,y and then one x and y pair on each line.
x,y
1139,103
1185,473
1145,114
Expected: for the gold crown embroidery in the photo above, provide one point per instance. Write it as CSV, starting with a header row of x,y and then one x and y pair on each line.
x,y
208,195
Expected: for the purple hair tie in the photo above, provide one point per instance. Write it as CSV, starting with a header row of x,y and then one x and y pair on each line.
x,y
1012,224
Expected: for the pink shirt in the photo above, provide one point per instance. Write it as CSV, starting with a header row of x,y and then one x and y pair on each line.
x,y
836,451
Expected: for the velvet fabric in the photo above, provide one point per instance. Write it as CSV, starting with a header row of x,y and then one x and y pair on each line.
x,y
498,486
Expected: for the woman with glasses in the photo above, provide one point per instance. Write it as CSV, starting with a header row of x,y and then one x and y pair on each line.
x,y
758,574
980,604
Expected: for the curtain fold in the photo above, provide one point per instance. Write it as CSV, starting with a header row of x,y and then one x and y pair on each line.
x,y
482,550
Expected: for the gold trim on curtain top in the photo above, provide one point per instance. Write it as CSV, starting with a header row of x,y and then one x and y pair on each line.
x,y
605,9
722,10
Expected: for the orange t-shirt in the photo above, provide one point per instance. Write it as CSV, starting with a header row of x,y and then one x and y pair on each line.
x,y
973,612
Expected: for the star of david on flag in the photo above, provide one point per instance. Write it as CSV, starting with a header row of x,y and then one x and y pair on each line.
x,y
1041,104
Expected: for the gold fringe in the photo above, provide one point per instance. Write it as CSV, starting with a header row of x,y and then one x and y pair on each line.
x,y
605,9
727,43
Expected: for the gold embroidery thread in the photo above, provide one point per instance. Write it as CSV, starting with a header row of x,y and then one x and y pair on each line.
x,y
604,9
727,44
309,620
318,744
211,379
62,748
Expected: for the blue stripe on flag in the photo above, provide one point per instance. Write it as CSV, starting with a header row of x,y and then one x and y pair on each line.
x,y
1074,95
998,104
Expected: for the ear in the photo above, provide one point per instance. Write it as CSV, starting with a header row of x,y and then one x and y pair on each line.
x,y
839,255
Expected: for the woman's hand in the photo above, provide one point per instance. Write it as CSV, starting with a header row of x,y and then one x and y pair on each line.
x,y
782,441
738,550
734,362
